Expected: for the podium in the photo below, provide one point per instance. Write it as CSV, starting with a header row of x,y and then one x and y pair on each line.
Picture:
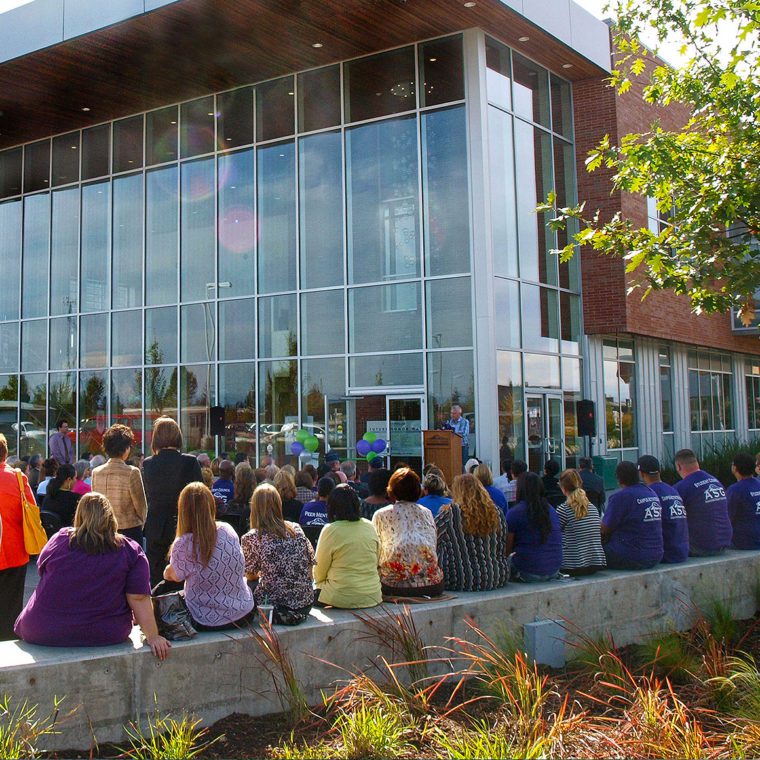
x,y
443,448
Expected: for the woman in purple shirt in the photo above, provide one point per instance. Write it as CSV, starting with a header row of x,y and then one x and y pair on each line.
x,y
206,555
92,581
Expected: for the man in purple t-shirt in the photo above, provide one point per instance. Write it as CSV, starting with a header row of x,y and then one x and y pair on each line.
x,y
704,497
744,503
632,523
675,529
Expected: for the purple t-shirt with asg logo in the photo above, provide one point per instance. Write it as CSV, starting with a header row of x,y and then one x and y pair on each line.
x,y
744,511
706,512
634,517
675,528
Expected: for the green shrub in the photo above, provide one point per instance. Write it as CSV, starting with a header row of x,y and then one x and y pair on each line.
x,y
716,460
21,728
167,738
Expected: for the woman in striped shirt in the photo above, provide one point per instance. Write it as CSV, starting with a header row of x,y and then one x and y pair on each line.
x,y
582,552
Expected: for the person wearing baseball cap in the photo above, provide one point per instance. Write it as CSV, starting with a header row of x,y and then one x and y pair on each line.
x,y
675,528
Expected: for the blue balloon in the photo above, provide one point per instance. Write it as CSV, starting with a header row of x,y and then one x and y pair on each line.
x,y
378,446
363,448
297,448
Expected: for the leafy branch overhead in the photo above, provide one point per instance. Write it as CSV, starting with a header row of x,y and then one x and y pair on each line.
x,y
705,177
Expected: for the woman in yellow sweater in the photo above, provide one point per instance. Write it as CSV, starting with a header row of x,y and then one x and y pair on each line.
x,y
347,555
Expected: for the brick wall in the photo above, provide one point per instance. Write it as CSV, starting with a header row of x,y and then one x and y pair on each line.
x,y
606,309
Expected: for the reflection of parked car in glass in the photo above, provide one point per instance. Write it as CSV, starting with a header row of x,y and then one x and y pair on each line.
x,y
28,430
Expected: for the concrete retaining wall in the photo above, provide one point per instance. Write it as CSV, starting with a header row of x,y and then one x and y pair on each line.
x,y
217,674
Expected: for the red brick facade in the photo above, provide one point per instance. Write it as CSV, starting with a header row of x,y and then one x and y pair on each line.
x,y
606,308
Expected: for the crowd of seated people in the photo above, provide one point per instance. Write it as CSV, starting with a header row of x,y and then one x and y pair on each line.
x,y
344,542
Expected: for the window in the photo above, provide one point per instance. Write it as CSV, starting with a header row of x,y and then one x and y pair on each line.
x,y
619,394
710,399
752,379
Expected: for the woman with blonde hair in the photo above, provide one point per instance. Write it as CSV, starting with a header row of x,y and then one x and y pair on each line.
x,y
472,536
582,552
279,557
483,473
286,487
92,581
206,555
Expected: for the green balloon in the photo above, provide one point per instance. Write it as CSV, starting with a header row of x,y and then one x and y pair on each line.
x,y
302,435
370,437
371,455
311,443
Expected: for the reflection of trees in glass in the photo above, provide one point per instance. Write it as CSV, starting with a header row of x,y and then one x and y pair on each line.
x,y
160,386
10,391
510,421
61,401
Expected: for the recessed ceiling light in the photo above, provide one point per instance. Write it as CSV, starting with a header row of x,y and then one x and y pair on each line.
x,y
85,109
73,147
210,113
173,122
432,60
290,93
317,45
523,39
567,65
470,5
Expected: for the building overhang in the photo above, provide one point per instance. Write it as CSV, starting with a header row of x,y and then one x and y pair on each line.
x,y
175,51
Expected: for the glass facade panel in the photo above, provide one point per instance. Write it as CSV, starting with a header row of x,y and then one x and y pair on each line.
x,y
9,347
383,201
32,414
449,313
507,313
34,342
571,395
93,340
93,397
498,74
126,401
503,200
66,159
541,325
564,180
319,99
753,402
275,109
385,370
197,120
63,343
562,106
161,236
161,135
394,314
277,217
237,223
11,162
323,380
127,241
451,380
37,166
541,371
278,326
96,230
126,338
62,399
619,384
160,395
198,333
161,335
278,406
321,210
96,151
570,322
511,407
198,229
10,258
36,252
196,398
64,259
380,85
235,118
441,71
322,312
237,394
237,329
531,90
444,178
9,411
128,144
533,160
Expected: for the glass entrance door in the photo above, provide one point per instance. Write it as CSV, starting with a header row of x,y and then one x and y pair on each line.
x,y
405,415
544,434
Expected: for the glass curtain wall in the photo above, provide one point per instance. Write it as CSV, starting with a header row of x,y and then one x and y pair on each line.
x,y
620,401
268,249
537,298
710,399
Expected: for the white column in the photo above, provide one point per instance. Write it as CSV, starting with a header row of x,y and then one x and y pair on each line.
x,y
648,401
484,338
593,384
739,383
680,380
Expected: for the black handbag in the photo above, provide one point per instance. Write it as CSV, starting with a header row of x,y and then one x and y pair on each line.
x,y
172,617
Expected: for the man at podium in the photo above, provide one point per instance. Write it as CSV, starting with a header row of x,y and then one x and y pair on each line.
x,y
461,427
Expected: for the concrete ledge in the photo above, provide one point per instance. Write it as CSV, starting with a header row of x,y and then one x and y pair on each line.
x,y
217,674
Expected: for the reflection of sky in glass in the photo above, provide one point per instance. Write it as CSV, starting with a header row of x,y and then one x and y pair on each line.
x,y
9,5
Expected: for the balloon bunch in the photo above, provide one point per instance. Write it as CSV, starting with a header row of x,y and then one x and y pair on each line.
x,y
304,441
370,446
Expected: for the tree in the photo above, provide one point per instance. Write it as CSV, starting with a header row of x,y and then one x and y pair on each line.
x,y
705,177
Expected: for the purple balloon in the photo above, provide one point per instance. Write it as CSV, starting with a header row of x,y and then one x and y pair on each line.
x,y
378,446
363,448
297,448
